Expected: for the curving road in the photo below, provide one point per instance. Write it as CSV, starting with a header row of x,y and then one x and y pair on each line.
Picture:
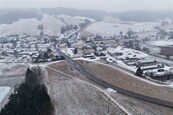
x,y
100,82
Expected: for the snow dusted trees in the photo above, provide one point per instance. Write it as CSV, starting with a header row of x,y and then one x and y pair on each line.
x,y
41,28
31,98
68,28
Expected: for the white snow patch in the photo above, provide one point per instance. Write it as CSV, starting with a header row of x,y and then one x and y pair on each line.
x,y
111,90
123,65
161,43
109,29
70,20
3,92
87,59
83,18
68,51
52,25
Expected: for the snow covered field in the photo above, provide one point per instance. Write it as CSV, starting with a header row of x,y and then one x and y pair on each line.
x,y
4,66
83,18
109,29
161,43
71,20
3,92
52,25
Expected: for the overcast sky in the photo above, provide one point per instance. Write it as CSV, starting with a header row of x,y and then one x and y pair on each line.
x,y
108,5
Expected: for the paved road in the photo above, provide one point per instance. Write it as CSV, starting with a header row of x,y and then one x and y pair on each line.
x,y
100,82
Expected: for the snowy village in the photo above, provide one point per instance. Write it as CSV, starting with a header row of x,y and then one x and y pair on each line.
x,y
118,66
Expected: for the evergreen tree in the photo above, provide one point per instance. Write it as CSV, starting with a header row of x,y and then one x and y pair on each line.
x,y
139,71
29,100
75,51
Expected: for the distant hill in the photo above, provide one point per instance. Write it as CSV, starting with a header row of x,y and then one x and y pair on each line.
x,y
52,25
94,14
143,16
8,16
139,16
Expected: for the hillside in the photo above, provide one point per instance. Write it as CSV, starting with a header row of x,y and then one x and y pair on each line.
x,y
8,16
52,25
132,105
72,96
94,14
141,16
111,27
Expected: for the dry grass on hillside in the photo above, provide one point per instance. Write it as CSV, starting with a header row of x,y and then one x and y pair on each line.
x,y
123,80
134,106
74,97
65,68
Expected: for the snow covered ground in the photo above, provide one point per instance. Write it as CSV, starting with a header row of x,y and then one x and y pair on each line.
x,y
83,18
3,92
161,60
68,51
126,53
110,19
4,66
161,43
109,29
123,65
52,25
71,20
87,59
111,90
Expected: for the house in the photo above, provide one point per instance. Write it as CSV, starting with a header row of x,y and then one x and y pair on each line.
x,y
99,54
89,56
89,51
109,60
42,47
158,66
99,48
146,62
63,45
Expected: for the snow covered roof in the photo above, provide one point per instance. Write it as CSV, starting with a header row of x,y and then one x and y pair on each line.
x,y
126,52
